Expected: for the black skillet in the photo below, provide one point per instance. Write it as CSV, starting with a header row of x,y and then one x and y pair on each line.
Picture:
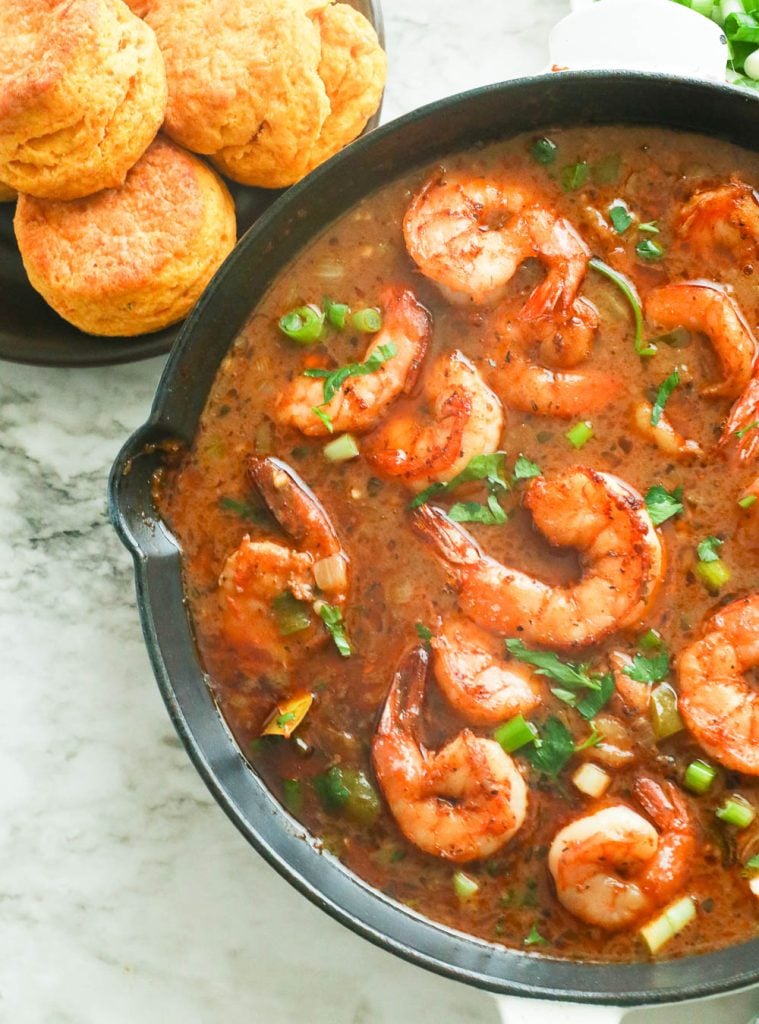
x,y
31,332
426,135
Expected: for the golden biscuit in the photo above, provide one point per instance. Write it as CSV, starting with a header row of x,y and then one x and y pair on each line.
x,y
139,7
246,85
353,67
133,259
7,194
82,95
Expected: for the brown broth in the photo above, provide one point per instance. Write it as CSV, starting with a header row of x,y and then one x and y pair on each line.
x,y
396,581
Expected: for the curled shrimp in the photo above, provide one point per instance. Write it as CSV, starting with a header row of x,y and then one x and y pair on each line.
x,y
664,434
702,306
612,867
466,420
725,218
475,678
362,401
601,516
462,802
470,235
258,572
534,387
720,708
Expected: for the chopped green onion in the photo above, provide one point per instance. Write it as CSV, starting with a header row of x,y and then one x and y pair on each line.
x,y
651,639
336,313
292,794
707,549
535,938
515,734
303,325
740,434
657,933
324,417
292,615
579,434
368,321
699,776
544,151
751,865
574,176
665,717
424,632
651,227
331,789
524,469
662,504
332,618
341,449
620,216
630,292
464,886
662,396
737,811
714,575
747,501
649,250
334,379
742,28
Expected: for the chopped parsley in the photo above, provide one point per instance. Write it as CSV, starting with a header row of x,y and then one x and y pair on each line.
x,y
491,514
544,151
649,250
620,216
648,670
554,750
524,469
662,396
663,504
332,618
707,549
334,379
581,689
534,938
490,468
424,632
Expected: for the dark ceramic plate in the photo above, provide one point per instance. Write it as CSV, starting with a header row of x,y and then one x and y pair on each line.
x,y
424,136
31,332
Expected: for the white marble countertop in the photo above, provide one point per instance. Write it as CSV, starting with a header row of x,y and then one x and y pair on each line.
x,y
125,894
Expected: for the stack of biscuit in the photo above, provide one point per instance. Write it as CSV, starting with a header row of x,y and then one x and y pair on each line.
x,y
120,228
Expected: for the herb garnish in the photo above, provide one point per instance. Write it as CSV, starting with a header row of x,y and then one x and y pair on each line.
x,y
663,504
334,379
707,549
740,434
620,216
524,469
424,632
535,938
332,618
648,670
662,396
574,679
554,749
630,292
492,469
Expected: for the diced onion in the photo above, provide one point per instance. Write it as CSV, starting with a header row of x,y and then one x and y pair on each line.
x,y
330,573
591,780
657,933
754,885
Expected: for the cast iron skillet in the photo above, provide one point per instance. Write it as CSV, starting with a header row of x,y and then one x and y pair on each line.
x,y
495,112
32,332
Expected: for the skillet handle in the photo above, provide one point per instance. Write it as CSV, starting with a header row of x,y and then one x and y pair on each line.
x,y
514,1010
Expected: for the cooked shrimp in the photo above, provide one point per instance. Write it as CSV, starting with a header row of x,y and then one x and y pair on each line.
x,y
476,679
466,420
742,424
536,388
470,235
260,571
702,306
635,696
601,516
461,802
722,218
612,868
663,434
719,706
362,401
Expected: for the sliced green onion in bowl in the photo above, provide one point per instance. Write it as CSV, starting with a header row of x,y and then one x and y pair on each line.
x,y
341,449
737,811
579,434
662,929
465,886
368,321
303,325
515,734
699,776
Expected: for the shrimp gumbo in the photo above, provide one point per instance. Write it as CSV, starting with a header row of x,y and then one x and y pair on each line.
x,y
470,538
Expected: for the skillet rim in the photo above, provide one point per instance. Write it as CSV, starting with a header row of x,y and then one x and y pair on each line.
x,y
276,836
